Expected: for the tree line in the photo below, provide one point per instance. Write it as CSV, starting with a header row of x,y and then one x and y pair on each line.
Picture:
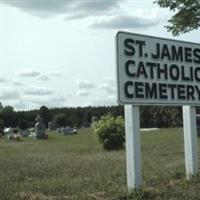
x,y
150,116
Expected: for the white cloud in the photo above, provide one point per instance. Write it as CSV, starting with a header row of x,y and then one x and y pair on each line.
x,y
21,105
35,73
3,80
17,83
38,91
108,100
58,98
107,14
43,78
126,22
69,8
109,86
29,73
84,84
84,9
83,93
9,94
50,101
55,73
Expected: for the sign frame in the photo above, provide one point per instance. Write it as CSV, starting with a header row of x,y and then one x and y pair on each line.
x,y
138,102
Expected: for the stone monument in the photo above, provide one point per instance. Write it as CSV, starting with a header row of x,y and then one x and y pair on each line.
x,y
40,128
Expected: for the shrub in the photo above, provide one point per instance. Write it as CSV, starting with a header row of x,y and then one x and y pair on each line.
x,y
111,132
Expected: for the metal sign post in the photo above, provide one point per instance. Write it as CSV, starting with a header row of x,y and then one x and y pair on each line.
x,y
190,141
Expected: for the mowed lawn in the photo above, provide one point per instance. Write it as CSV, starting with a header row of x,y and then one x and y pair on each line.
x,y
77,168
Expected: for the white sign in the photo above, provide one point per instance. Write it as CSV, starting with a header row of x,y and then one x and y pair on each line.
x,y
153,70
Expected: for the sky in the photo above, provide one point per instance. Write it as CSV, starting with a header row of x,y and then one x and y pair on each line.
x,y
62,53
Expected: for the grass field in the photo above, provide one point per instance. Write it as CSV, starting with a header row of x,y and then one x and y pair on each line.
x,y
77,168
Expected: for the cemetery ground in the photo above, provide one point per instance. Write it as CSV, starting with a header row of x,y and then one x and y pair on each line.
x,y
76,167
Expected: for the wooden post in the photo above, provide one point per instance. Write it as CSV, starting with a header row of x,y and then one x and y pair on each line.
x,y
133,148
190,141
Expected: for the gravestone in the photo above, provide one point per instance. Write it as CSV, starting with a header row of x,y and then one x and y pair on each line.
x,y
40,128
51,126
24,133
67,130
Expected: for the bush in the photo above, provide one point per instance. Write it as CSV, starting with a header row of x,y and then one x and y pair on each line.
x,y
111,132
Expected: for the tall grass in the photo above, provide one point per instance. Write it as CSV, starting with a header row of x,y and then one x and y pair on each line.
x,y
76,167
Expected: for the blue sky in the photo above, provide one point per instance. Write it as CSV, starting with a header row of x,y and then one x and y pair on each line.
x,y
62,53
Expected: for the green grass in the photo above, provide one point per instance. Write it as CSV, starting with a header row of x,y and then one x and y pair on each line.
x,y
77,168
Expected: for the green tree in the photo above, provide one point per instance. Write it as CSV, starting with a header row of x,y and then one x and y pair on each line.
x,y
9,116
60,120
1,107
1,123
186,15
46,115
